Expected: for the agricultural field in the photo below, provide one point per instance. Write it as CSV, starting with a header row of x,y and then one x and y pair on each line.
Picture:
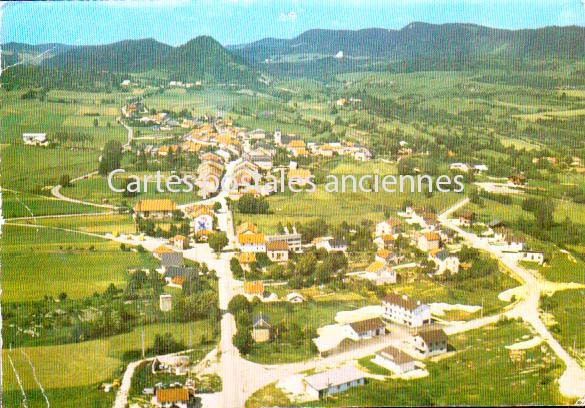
x,y
565,309
68,262
83,366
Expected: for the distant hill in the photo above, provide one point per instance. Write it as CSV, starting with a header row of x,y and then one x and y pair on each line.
x,y
417,45
200,58
13,52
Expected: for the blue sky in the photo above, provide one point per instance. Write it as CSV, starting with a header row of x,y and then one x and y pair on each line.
x,y
241,21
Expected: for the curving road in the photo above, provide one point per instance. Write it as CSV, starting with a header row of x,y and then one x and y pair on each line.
x,y
572,382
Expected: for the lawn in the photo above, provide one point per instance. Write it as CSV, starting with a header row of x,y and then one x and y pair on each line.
x,y
309,316
65,370
567,309
98,224
21,204
63,262
564,268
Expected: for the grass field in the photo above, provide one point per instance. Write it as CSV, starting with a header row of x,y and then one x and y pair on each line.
x,y
66,370
98,224
21,204
308,315
62,262
564,268
568,313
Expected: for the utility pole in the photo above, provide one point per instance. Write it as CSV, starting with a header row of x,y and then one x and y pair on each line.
x,y
142,336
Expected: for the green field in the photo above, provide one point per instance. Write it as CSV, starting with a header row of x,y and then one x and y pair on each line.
x,y
62,262
309,316
567,310
83,366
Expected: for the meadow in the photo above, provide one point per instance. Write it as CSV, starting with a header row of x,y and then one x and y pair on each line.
x,y
83,366
62,261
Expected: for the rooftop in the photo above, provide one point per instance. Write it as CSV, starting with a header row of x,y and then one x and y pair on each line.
x,y
334,377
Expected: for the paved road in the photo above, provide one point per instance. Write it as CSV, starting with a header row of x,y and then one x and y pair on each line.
x,y
572,382
56,192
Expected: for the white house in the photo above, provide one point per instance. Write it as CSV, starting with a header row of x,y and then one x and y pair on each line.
x,y
533,256
252,242
295,297
165,302
202,220
429,241
430,342
293,239
390,226
35,139
394,360
463,167
480,168
379,273
445,262
277,251
330,244
403,310
332,381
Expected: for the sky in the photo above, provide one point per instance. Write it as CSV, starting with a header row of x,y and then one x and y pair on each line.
x,y
241,21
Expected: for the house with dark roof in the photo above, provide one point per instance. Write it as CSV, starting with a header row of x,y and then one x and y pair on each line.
x,y
395,360
404,310
369,328
171,259
430,342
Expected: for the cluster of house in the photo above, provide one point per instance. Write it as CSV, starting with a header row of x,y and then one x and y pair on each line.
x,y
201,216
429,239
423,341
277,246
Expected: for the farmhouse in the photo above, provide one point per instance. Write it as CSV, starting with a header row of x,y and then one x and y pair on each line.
x,y
533,256
403,310
463,167
428,241
330,244
389,227
430,342
379,273
293,239
332,381
165,302
159,208
261,328
394,360
445,262
254,242
277,251
35,139
295,297
171,397
157,253
366,329
180,242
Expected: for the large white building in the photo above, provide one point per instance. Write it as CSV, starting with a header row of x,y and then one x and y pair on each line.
x,y
403,310
333,381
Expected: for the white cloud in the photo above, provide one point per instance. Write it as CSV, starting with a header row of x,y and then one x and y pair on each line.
x,y
289,17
